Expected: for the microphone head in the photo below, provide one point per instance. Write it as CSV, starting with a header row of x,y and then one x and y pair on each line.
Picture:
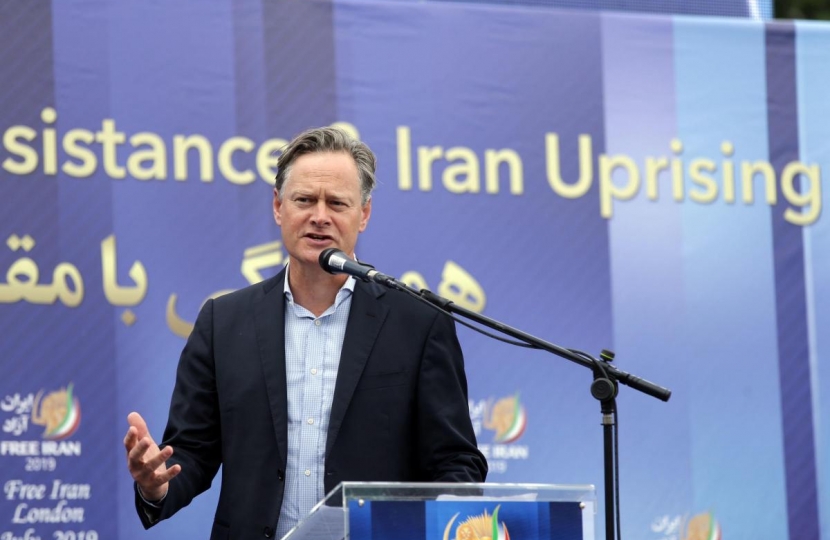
x,y
324,258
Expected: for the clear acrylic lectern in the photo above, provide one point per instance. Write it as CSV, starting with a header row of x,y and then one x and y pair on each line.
x,y
433,511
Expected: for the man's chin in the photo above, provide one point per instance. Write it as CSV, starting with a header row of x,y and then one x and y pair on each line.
x,y
309,257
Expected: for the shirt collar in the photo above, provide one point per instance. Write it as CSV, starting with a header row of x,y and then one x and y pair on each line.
x,y
342,294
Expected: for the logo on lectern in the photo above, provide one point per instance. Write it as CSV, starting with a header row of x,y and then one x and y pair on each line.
x,y
481,527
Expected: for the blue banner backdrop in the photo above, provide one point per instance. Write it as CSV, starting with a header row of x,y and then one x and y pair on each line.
x,y
652,185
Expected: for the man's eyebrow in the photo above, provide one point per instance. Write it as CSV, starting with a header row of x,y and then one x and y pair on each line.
x,y
302,193
339,196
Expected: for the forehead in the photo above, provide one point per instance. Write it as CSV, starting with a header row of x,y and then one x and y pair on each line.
x,y
333,171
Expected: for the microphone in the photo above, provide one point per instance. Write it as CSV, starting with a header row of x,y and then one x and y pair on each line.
x,y
335,261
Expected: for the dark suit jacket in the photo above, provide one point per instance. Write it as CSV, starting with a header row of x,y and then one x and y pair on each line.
x,y
399,412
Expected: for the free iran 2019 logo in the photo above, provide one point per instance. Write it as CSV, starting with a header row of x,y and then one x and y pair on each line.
x,y
57,411
506,419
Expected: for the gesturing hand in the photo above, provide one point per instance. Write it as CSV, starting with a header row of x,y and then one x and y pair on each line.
x,y
146,461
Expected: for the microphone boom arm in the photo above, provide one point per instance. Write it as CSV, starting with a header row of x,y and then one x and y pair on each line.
x,y
627,379
604,388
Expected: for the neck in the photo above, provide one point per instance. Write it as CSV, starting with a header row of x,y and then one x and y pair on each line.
x,y
314,288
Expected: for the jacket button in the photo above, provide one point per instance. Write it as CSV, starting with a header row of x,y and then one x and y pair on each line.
x,y
267,532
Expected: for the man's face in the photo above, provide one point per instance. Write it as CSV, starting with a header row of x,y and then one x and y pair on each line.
x,y
321,207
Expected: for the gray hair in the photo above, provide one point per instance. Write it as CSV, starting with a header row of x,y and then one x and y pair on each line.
x,y
331,140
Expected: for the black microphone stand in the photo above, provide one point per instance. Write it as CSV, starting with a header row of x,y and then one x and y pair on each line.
x,y
603,388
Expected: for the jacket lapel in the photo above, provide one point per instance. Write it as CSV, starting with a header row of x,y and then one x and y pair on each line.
x,y
269,320
365,320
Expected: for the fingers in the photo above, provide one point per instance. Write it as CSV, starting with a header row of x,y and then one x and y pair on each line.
x,y
135,420
169,474
130,438
157,488
136,431
157,461
146,461
135,457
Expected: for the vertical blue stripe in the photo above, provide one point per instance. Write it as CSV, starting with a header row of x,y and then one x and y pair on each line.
x,y
180,82
88,336
813,78
253,207
793,350
735,417
32,352
646,245
299,65
31,203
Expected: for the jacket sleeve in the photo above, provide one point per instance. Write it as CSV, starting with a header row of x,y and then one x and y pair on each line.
x,y
447,442
193,426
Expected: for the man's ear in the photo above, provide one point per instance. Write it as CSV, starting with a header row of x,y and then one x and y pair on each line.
x,y
367,213
277,208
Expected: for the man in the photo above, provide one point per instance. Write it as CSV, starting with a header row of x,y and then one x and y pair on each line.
x,y
308,379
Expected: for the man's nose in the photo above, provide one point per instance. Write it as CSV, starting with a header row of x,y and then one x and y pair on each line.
x,y
320,215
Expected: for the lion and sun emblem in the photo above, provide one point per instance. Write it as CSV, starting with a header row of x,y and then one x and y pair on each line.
x,y
507,418
482,527
59,412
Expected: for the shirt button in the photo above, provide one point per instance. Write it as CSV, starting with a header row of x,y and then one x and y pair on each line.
x,y
314,371
311,420
307,472
316,322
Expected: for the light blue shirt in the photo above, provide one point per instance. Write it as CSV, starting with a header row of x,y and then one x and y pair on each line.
x,y
312,356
